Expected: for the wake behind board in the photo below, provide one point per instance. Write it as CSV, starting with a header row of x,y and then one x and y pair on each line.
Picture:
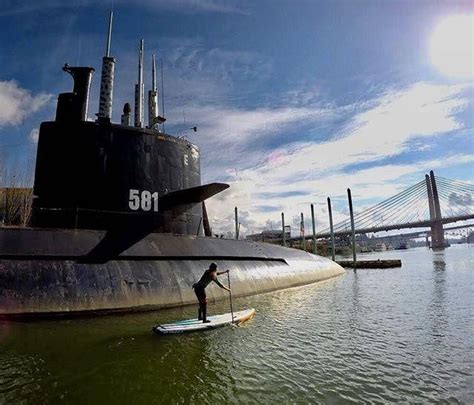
x,y
192,325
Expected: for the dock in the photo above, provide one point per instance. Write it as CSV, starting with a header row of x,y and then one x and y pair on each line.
x,y
371,264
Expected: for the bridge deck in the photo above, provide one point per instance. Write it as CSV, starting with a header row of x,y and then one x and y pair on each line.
x,y
418,224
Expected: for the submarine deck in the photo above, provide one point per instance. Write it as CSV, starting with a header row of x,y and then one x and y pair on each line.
x,y
47,271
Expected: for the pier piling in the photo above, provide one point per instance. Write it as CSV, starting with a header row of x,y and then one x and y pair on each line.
x,y
331,226
283,228
303,239
315,250
351,212
236,223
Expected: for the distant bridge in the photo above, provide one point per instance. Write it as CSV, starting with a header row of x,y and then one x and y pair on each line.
x,y
383,228
430,203
427,232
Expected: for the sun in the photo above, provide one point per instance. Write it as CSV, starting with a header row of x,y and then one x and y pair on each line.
x,y
451,46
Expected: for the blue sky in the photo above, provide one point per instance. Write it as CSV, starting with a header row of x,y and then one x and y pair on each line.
x,y
294,100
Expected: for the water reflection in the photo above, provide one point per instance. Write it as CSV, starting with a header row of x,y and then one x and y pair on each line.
x,y
355,310
437,309
439,260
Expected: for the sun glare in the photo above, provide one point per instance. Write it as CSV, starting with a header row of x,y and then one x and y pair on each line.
x,y
451,46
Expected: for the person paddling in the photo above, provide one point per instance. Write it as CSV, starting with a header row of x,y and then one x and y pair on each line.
x,y
200,289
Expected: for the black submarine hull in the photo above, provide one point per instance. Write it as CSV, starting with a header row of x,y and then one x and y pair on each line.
x,y
46,272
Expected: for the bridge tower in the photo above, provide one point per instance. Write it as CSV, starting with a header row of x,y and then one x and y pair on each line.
x,y
437,231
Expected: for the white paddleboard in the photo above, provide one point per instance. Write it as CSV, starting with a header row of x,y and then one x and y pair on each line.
x,y
191,325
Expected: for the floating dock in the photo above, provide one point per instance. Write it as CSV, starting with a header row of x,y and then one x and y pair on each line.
x,y
371,264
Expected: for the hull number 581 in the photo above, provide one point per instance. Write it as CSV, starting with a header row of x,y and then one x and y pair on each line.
x,y
143,200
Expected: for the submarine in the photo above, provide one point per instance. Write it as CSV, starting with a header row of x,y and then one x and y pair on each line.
x,y
119,221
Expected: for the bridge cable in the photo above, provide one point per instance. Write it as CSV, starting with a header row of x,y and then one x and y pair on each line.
x,y
394,206
395,215
387,203
395,212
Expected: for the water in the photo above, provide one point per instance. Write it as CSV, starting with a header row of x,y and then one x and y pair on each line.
x,y
374,336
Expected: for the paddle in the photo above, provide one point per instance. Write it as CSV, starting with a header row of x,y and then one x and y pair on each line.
x,y
230,294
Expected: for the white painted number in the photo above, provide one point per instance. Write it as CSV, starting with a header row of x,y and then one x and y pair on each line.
x,y
154,196
186,162
144,200
134,200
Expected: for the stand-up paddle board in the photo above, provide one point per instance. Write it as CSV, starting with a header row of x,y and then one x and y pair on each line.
x,y
192,325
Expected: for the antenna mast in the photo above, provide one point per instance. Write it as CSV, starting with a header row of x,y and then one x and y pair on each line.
x,y
139,89
109,34
107,78
153,72
162,93
153,109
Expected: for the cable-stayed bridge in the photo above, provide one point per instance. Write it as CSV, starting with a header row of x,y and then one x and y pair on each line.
x,y
430,203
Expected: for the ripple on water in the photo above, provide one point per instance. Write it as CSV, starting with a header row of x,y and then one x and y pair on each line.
x,y
367,337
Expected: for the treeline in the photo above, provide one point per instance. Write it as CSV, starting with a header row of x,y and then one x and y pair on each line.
x,y
16,193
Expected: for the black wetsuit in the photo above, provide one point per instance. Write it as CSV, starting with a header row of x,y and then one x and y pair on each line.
x,y
200,291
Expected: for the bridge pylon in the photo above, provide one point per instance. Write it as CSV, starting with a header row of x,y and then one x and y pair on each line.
x,y
437,231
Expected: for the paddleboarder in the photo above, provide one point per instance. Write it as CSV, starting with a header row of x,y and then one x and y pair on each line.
x,y
200,289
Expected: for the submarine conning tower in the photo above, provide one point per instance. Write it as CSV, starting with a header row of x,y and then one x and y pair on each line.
x,y
101,175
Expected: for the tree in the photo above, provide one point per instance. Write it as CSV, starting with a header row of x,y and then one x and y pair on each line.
x,y
16,194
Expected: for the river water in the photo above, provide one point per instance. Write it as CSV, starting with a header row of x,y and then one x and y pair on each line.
x,y
371,336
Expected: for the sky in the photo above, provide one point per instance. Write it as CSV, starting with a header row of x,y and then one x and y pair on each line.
x,y
294,101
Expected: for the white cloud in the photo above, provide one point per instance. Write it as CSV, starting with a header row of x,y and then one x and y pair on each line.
x,y
17,103
396,122
376,183
238,128
379,132
238,135
191,57
199,76
387,127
